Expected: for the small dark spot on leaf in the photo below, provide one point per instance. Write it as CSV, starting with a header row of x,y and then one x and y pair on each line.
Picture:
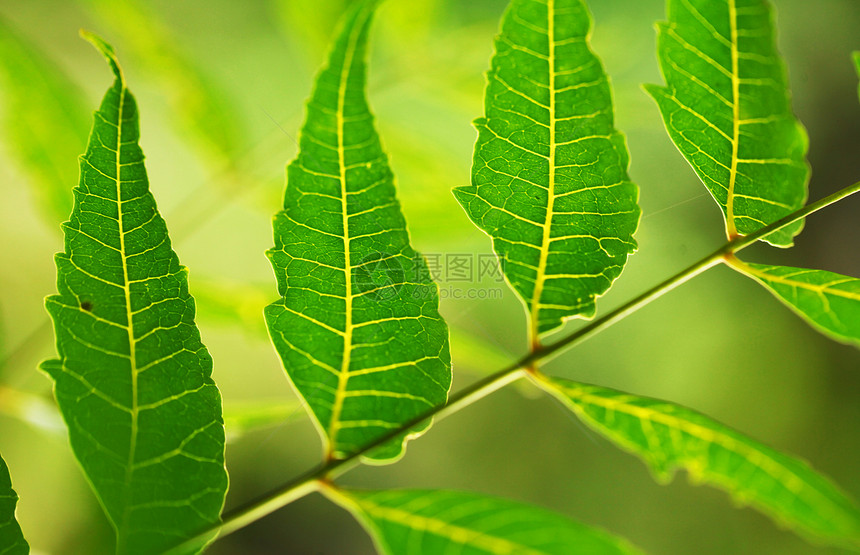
x,y
87,305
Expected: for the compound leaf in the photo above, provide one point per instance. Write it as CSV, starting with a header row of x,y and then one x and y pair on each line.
x,y
829,302
12,541
667,436
45,141
133,379
727,108
549,174
429,522
357,326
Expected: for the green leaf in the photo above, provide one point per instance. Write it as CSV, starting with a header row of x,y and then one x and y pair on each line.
x,y
12,541
45,120
429,522
727,107
667,436
829,302
549,175
357,326
133,379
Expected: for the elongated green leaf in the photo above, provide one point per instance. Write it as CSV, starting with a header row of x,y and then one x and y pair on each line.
x,y
549,175
45,119
12,541
430,522
35,410
133,379
727,108
668,436
829,302
357,326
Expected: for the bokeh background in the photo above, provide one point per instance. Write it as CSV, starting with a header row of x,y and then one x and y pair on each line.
x,y
221,88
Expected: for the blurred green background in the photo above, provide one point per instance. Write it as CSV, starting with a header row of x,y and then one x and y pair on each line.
x,y
221,88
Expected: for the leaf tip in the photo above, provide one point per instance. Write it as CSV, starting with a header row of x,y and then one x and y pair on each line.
x,y
106,50
653,90
51,366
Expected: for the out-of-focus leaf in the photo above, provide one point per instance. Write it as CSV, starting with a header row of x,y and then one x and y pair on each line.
x,y
857,65
430,522
549,176
239,304
133,379
45,120
12,541
33,409
727,107
477,353
242,418
357,327
203,108
308,24
667,436
829,302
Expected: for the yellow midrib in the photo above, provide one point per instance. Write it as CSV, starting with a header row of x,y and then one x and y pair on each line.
x,y
132,448
820,289
456,534
343,377
756,457
731,230
544,248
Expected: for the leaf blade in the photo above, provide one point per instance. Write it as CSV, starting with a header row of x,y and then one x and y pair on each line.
x,y
12,540
549,174
829,302
726,107
667,436
133,380
357,326
413,522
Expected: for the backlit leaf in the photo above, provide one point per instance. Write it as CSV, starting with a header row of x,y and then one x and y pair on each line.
x,y
12,541
667,436
828,301
357,326
430,522
133,379
549,175
727,107
46,141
